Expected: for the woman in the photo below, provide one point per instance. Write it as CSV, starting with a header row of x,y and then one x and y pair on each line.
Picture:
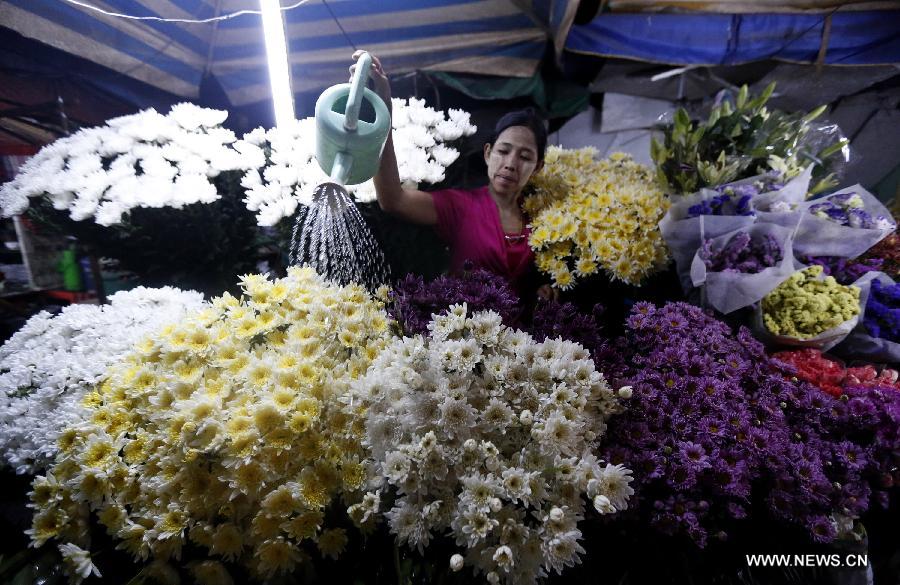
x,y
485,226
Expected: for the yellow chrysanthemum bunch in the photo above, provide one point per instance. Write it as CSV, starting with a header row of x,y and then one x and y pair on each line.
x,y
228,430
588,214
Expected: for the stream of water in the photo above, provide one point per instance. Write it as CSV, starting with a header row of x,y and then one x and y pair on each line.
x,y
332,237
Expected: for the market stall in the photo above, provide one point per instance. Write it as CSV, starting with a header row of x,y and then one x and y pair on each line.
x,y
717,380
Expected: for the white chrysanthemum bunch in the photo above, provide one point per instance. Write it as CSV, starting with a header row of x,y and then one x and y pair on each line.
x,y
290,173
141,160
588,214
484,432
225,430
52,362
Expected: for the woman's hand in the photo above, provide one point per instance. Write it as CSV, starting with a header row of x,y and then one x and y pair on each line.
x,y
548,293
382,86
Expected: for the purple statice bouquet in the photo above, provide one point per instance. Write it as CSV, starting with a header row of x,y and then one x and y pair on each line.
x,y
882,318
847,209
717,433
844,270
742,253
413,301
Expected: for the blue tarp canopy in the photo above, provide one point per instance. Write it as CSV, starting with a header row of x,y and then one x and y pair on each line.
x,y
843,38
493,37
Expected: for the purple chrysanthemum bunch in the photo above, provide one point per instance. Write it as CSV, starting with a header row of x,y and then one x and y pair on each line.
x,y
844,270
882,317
859,433
716,432
414,301
743,253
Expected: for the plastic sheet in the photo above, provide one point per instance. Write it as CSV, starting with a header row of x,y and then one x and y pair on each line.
x,y
817,236
784,206
825,145
730,291
685,234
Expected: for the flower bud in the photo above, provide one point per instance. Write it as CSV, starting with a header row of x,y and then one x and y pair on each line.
x,y
603,505
496,504
625,392
456,562
526,418
556,514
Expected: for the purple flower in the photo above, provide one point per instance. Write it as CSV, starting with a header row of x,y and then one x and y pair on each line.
x,y
730,200
414,300
882,318
843,270
716,432
742,253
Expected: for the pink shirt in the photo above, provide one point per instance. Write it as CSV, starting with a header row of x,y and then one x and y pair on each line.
x,y
468,220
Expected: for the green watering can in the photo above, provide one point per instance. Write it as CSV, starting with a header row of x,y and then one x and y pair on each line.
x,y
349,149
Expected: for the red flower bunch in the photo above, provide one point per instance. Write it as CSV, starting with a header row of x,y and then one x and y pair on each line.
x,y
831,376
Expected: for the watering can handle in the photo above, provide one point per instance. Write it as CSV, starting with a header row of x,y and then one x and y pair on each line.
x,y
357,88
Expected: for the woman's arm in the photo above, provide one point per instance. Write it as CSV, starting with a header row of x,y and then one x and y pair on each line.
x,y
410,204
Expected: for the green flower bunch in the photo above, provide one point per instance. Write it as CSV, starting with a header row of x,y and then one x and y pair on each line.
x,y
805,306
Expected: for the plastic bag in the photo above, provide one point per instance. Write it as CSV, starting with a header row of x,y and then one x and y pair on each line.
x,y
817,236
730,291
785,206
684,234
860,344
825,145
823,341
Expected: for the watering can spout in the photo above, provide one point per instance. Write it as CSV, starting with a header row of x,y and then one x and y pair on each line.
x,y
348,148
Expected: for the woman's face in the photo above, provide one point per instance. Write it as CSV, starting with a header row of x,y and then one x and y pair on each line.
x,y
511,160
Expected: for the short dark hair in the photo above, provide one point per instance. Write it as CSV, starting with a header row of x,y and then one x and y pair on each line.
x,y
528,118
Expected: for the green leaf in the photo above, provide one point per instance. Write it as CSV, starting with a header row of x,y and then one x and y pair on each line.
x,y
815,113
742,97
825,184
836,147
762,98
656,150
682,120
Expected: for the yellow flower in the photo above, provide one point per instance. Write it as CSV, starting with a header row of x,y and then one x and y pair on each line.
x,y
585,267
332,542
267,417
206,420
277,556
598,207
304,525
563,279
227,541
280,501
